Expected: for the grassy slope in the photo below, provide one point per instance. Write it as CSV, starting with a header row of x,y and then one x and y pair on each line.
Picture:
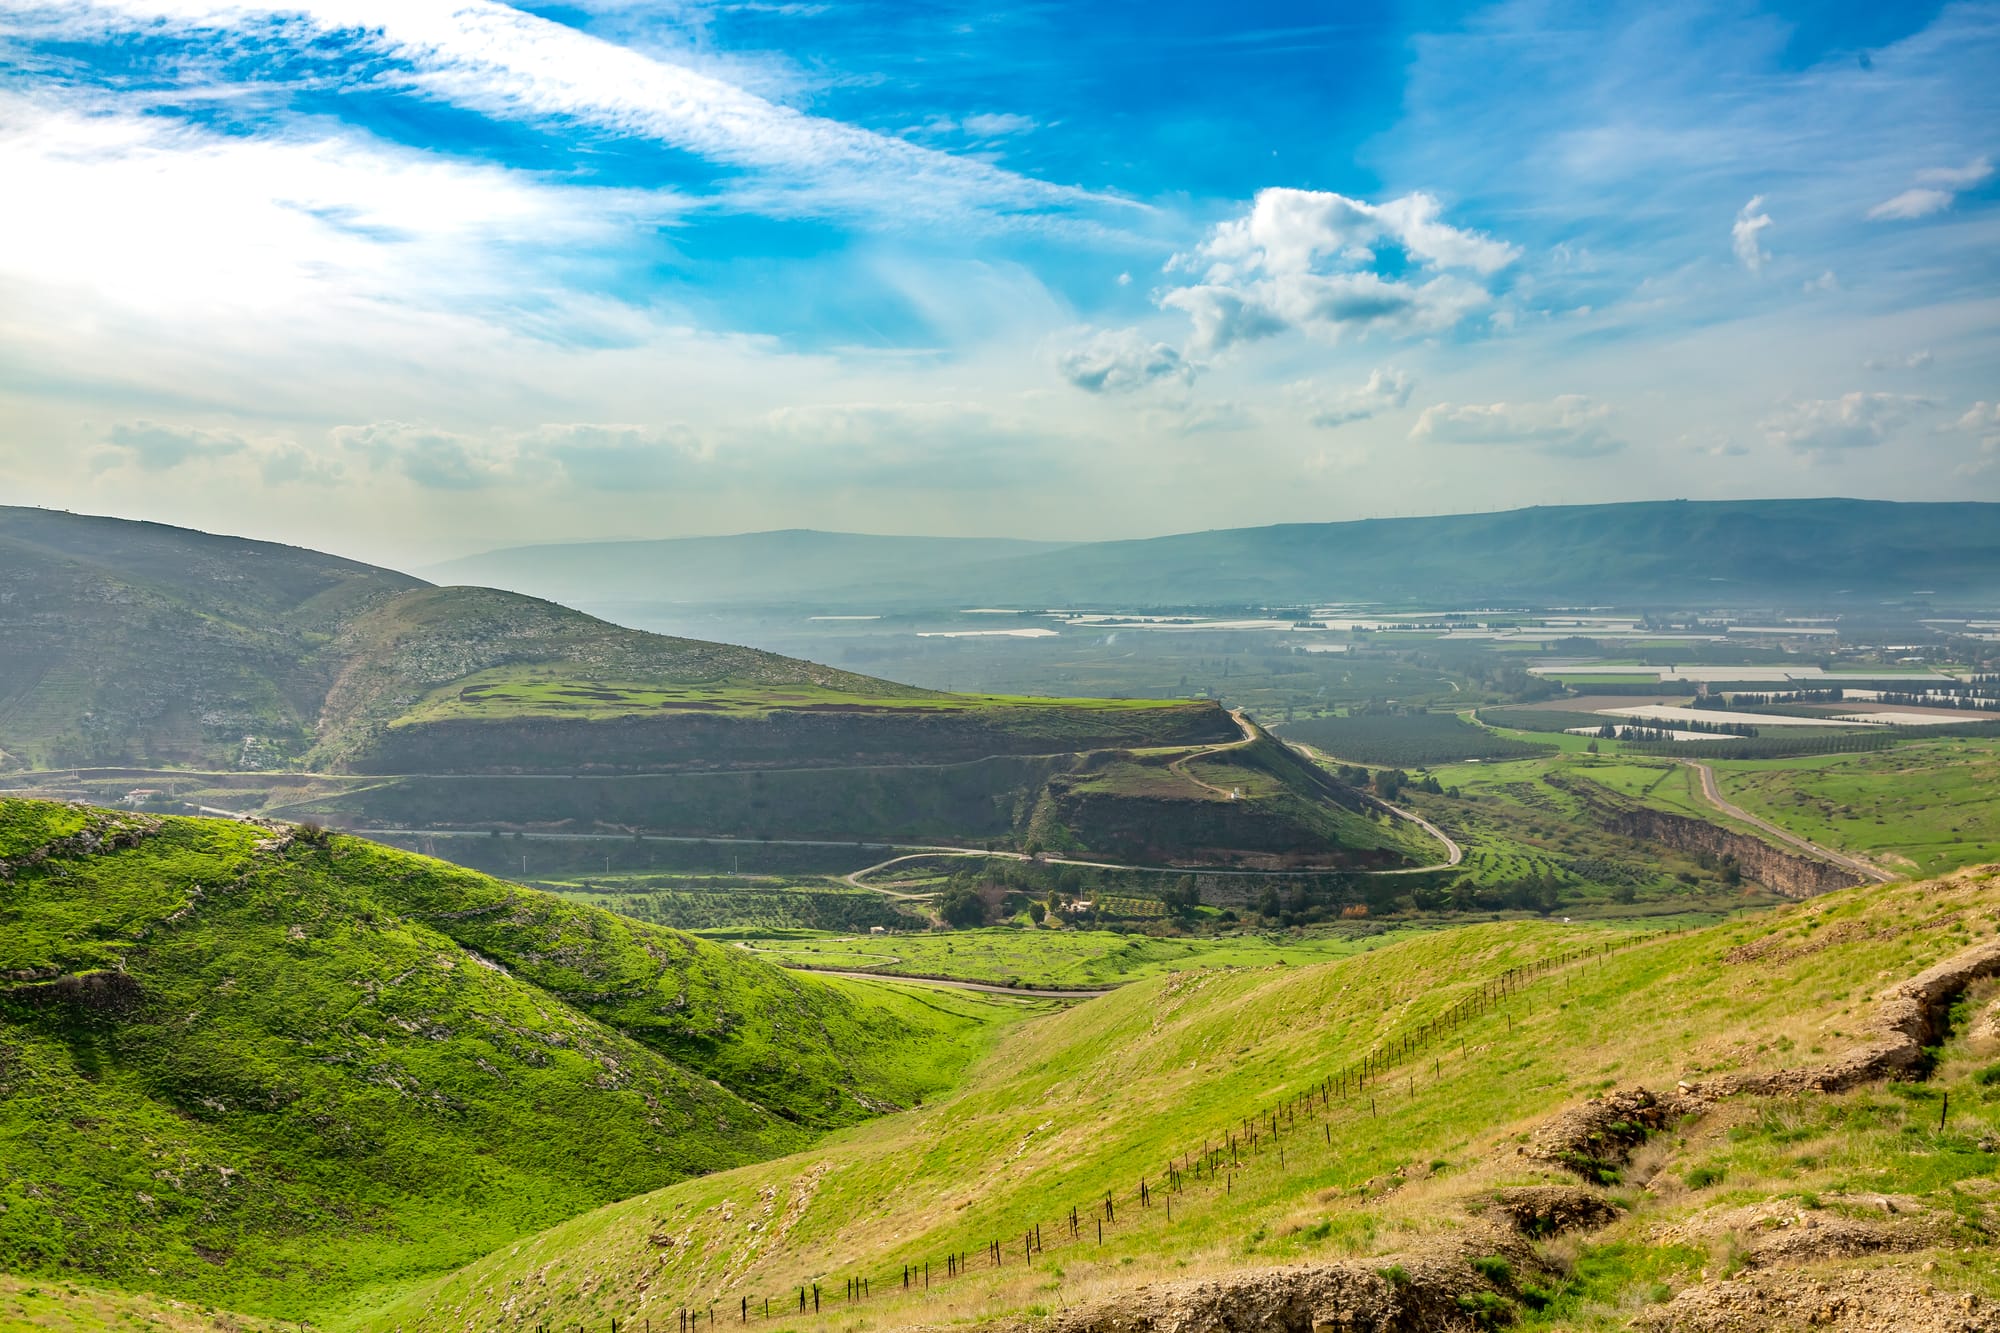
x,y
1006,955
1090,1101
64,1306
132,641
1412,740
410,648
1927,806
309,1072
1168,807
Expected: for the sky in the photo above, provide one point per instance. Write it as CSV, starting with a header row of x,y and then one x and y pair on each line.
x,y
408,279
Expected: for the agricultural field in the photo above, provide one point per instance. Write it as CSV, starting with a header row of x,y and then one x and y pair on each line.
x,y
1121,1097
1925,807
1406,740
1029,957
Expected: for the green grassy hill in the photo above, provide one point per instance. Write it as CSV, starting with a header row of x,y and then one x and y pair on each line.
x,y
285,1072
1497,1059
1256,805
139,643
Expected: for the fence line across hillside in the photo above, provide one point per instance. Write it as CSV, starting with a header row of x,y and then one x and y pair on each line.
x,y
1222,1157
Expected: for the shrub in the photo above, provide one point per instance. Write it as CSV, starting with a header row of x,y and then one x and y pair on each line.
x,y
1701,1177
1486,1310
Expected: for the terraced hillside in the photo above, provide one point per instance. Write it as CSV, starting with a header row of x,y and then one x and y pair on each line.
x,y
282,1071
1788,1120
148,649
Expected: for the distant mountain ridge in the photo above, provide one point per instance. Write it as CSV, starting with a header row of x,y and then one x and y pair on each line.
x,y
760,566
1685,552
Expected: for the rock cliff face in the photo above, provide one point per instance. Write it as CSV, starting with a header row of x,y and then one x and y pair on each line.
x,y
1781,872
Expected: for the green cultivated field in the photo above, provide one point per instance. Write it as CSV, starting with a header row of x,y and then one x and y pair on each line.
x,y
1410,740
1524,837
697,903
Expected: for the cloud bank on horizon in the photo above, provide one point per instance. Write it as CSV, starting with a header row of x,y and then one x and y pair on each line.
x,y
414,277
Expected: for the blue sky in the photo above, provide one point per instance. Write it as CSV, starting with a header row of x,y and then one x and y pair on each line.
x,y
407,279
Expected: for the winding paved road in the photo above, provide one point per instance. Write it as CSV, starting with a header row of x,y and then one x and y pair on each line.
x,y
1713,795
1453,852
1249,734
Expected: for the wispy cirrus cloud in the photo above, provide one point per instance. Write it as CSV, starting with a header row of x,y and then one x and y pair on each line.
x,y
1934,191
514,65
158,214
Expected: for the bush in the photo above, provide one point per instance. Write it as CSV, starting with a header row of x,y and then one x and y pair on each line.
x,y
1701,1177
1487,1310
961,906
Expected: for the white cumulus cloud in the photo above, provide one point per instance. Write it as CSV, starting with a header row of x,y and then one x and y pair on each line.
x,y
1566,426
1851,421
1746,235
1385,390
1120,361
1307,259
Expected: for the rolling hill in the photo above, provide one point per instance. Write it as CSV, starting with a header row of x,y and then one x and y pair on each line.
x,y
142,645
149,650
1529,1123
1675,553
278,1070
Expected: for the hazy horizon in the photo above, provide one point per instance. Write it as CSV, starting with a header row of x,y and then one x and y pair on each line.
x,y
416,281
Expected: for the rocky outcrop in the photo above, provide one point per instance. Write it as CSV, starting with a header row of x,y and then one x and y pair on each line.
x,y
106,833
1598,1137
1911,1016
1782,872
1549,1210
1420,1289
1855,1299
